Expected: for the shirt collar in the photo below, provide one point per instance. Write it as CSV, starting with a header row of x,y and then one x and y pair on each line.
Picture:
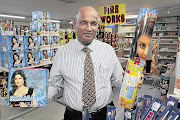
x,y
80,46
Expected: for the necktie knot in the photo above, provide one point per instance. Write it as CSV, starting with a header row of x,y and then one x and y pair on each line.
x,y
86,50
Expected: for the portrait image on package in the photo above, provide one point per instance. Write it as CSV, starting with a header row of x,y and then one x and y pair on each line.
x,y
53,53
45,56
27,88
142,38
54,27
18,60
16,44
46,27
55,42
46,16
32,58
44,43
31,43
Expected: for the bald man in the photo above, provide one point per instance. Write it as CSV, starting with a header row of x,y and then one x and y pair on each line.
x,y
68,69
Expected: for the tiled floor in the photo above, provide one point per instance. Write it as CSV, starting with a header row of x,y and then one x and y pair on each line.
x,y
55,111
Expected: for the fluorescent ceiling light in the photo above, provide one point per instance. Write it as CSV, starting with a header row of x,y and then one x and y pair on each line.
x,y
131,16
12,16
55,21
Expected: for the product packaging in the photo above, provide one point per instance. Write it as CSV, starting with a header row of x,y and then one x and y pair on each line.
x,y
44,43
172,101
127,114
63,42
55,42
0,59
177,71
12,44
32,58
46,17
53,53
54,29
45,28
31,43
144,28
176,116
139,108
165,113
45,56
153,109
37,16
10,59
35,27
34,82
111,113
172,113
85,113
146,102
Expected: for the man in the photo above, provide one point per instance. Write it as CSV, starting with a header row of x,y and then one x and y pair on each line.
x,y
46,44
70,67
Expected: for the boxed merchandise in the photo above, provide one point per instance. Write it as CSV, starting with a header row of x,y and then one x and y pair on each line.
x,y
12,44
111,113
153,109
55,42
158,26
37,16
85,113
44,43
63,42
45,28
32,58
146,102
176,116
0,59
127,114
45,17
53,53
3,81
45,56
31,43
54,29
165,113
10,59
139,108
172,101
172,113
7,26
35,27
33,83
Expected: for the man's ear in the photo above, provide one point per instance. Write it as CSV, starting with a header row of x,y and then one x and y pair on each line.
x,y
74,24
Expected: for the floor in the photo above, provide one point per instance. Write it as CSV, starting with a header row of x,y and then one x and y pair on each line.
x,y
55,110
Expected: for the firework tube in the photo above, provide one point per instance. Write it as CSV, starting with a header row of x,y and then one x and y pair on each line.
x,y
142,38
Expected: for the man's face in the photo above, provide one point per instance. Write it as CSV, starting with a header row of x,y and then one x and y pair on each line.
x,y
46,40
45,54
86,26
55,40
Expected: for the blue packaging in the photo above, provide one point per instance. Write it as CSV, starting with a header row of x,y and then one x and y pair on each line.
x,y
153,109
0,59
53,53
176,116
13,59
172,113
127,114
34,82
139,108
45,17
44,43
165,113
146,102
45,56
32,58
12,44
31,43
111,113
55,42
85,113
54,29
37,16
172,101
44,28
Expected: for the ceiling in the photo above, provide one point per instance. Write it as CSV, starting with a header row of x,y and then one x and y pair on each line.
x,y
65,10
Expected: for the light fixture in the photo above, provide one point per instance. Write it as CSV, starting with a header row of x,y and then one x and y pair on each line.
x,y
168,12
57,21
12,16
131,16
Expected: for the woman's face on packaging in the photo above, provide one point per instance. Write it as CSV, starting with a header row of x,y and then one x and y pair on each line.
x,y
143,46
29,55
30,40
19,81
16,57
14,40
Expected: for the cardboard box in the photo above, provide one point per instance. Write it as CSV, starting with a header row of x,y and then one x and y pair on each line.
x,y
45,56
31,43
44,42
32,58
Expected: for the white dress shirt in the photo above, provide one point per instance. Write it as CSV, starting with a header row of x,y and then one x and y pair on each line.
x,y
68,70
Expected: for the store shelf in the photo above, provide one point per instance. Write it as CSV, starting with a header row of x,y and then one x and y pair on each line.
x,y
168,43
168,51
129,32
176,93
127,49
168,22
128,24
177,30
129,36
165,36
165,58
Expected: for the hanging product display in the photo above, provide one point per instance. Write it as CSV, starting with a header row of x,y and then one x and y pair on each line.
x,y
140,45
154,58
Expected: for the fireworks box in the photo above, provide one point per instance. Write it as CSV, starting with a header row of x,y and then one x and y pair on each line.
x,y
85,113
